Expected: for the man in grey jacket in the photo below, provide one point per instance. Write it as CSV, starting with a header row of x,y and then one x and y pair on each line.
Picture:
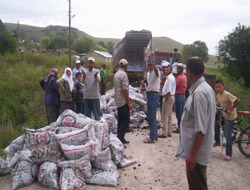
x,y
91,95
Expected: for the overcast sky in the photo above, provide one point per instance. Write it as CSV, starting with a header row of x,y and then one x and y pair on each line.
x,y
182,20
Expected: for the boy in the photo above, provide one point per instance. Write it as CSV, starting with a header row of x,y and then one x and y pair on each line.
x,y
78,92
229,102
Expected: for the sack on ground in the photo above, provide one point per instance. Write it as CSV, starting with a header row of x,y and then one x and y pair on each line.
x,y
71,119
127,161
23,174
103,160
4,168
102,133
47,153
116,148
74,152
72,178
48,175
83,164
78,137
104,177
111,121
63,129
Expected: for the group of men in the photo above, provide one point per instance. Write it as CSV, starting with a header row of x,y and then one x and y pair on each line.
x,y
196,115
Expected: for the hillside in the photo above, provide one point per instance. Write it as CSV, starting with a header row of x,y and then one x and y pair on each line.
x,y
32,32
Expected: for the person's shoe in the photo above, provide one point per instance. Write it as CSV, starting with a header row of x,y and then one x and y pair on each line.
x,y
217,144
169,135
162,136
149,140
125,142
227,158
176,131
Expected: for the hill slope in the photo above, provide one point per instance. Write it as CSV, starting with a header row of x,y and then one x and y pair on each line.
x,y
32,32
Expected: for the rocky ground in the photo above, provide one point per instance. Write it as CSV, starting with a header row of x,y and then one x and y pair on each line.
x,y
157,168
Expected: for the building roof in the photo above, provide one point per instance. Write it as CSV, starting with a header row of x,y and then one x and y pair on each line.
x,y
104,54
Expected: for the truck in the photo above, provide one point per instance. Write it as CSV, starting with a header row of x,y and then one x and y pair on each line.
x,y
134,47
158,56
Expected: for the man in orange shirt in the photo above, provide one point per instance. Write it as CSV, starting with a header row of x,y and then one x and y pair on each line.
x,y
180,99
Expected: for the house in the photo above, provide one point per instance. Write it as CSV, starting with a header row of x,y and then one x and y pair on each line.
x,y
101,56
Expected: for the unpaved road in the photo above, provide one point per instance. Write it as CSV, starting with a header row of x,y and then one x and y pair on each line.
x,y
158,169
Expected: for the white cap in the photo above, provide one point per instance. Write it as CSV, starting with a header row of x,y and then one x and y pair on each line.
x,y
91,59
77,61
181,65
123,62
165,63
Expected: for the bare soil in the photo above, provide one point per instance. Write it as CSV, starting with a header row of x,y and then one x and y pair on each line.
x,y
157,168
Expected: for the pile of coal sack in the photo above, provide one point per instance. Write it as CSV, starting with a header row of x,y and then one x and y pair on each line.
x,y
138,116
68,154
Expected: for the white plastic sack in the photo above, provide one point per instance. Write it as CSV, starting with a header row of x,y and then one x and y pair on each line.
x,y
102,133
103,102
24,174
127,161
63,129
46,153
103,161
48,175
116,148
102,177
78,137
111,121
4,168
71,119
72,179
73,152
14,147
83,164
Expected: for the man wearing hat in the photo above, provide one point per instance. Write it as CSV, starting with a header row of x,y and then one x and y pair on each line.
x,y
122,101
153,88
168,93
76,69
180,98
91,80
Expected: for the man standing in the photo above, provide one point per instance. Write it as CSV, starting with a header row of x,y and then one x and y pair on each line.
x,y
180,98
122,101
197,126
76,69
103,80
168,93
91,95
229,102
153,79
164,64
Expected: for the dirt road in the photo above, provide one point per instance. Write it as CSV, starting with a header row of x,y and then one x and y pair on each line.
x,y
158,169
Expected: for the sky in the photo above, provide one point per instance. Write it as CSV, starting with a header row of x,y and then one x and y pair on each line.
x,y
182,20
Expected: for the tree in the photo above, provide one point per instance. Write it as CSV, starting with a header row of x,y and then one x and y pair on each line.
x,y
198,48
101,43
234,52
59,39
84,44
110,46
7,42
46,42
101,48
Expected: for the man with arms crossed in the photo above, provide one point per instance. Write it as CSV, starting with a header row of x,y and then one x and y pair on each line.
x,y
197,126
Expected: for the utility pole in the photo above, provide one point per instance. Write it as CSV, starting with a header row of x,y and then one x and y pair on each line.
x,y
69,33
17,35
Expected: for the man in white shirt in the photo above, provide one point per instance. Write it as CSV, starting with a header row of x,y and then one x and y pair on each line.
x,y
168,93
91,95
153,79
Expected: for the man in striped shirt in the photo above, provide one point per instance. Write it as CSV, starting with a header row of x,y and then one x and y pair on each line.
x,y
123,104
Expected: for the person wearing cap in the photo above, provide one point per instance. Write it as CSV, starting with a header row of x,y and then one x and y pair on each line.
x,y
91,79
168,92
164,64
180,98
153,88
76,69
122,101
174,65
197,126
